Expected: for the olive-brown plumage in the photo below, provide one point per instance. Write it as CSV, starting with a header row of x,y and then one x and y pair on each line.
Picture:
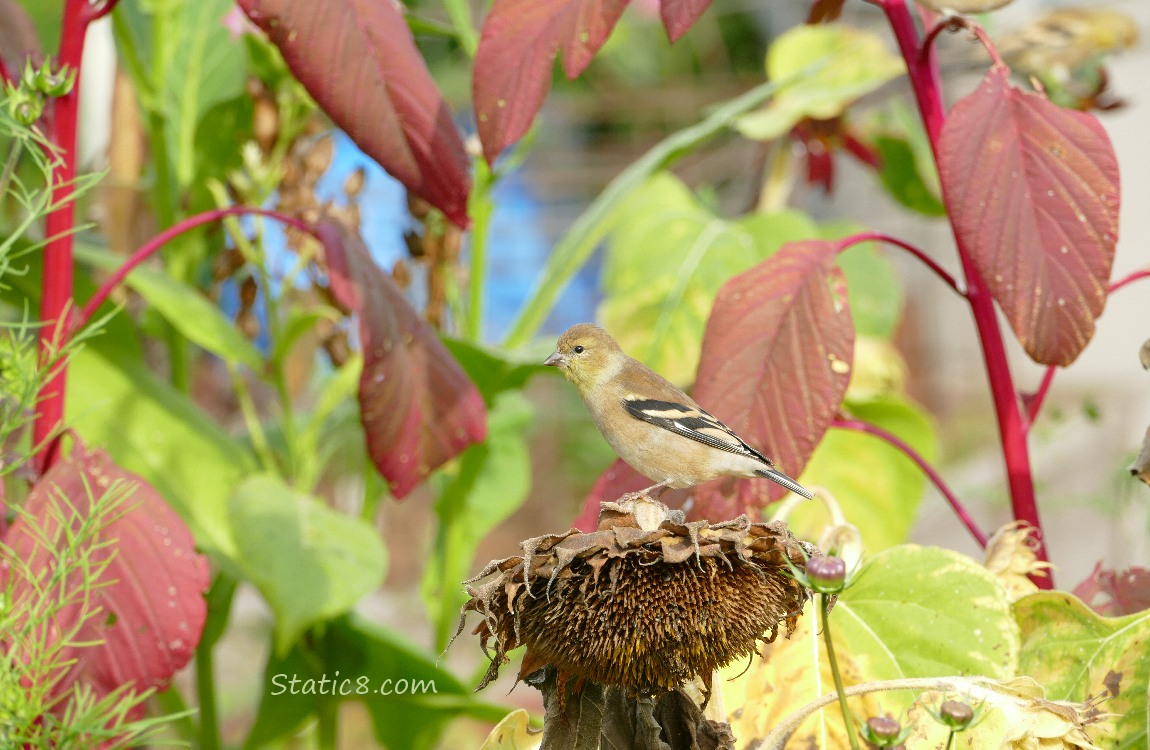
x,y
652,424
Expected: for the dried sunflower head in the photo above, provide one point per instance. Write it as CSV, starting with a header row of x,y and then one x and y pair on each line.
x,y
645,602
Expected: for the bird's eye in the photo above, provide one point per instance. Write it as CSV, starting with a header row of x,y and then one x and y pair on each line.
x,y
578,349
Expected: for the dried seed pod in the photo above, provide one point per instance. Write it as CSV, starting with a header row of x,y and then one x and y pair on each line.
x,y
643,606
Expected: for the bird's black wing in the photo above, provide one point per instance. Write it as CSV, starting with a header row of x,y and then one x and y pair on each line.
x,y
690,422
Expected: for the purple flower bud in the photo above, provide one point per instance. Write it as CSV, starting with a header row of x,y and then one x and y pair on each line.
x,y
956,714
826,575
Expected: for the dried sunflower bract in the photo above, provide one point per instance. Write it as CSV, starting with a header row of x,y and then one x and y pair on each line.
x,y
646,602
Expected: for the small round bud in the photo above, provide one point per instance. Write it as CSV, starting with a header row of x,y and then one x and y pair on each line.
x,y
826,575
883,728
956,714
27,112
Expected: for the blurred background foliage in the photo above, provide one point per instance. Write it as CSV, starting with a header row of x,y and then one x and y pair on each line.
x,y
186,112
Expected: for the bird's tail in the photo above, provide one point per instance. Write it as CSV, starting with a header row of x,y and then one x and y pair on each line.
x,y
777,476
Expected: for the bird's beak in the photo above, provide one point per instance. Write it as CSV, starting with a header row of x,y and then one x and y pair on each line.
x,y
555,360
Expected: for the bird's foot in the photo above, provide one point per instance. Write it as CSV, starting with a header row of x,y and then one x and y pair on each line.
x,y
643,505
645,494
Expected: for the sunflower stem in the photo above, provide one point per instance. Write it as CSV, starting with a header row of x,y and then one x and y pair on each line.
x,y
824,619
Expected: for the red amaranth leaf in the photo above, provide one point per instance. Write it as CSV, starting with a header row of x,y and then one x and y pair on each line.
x,y
1032,190
1113,593
517,47
358,60
776,360
680,15
418,407
146,614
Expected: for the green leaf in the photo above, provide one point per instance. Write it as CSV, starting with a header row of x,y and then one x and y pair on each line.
x,y
374,659
858,63
879,487
115,402
310,562
189,62
298,321
185,308
490,482
490,371
901,177
321,439
666,258
926,612
1075,653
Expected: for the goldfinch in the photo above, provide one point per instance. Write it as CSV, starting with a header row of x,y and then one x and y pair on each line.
x,y
653,426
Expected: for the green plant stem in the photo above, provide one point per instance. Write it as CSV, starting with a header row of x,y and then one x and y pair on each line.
x,y
209,738
979,687
482,207
950,739
252,422
327,724
10,164
824,619
257,258
459,11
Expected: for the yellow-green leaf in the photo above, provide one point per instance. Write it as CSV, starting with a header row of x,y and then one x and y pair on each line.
x,y
859,62
667,256
1076,654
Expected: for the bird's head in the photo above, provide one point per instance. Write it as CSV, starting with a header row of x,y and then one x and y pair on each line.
x,y
586,354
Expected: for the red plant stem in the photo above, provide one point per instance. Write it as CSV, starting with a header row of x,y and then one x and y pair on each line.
x,y
1039,396
99,10
1130,278
931,473
56,293
961,22
929,262
146,250
861,151
5,76
924,78
1048,377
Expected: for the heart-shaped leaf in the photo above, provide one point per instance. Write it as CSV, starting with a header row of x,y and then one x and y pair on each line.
x,y
517,47
310,562
912,612
1032,190
777,358
358,60
143,614
1076,654
418,407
